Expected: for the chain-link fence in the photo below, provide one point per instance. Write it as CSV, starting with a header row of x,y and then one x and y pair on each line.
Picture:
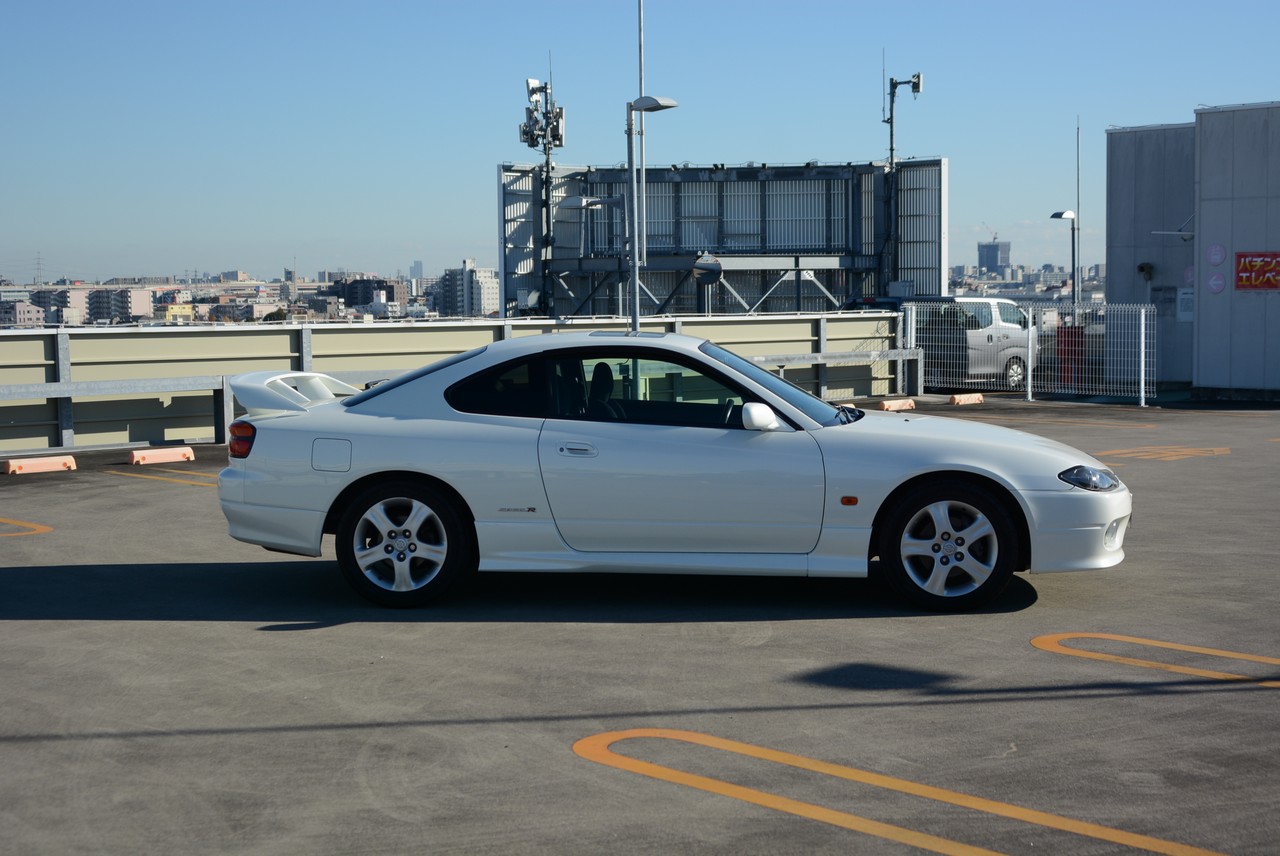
x,y
984,343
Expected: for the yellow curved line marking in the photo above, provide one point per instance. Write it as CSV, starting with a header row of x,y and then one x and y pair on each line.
x,y
597,748
1053,643
161,478
31,528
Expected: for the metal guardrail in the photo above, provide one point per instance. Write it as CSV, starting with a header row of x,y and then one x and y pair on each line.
x,y
60,388
853,358
62,392
223,401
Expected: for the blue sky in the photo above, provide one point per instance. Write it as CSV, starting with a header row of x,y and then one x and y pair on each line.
x,y
153,138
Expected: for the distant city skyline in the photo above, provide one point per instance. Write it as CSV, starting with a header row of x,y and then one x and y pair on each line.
x,y
153,139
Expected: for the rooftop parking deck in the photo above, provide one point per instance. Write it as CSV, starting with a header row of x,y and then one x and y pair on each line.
x,y
168,689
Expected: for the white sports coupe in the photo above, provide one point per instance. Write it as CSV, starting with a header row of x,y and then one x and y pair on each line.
x,y
648,453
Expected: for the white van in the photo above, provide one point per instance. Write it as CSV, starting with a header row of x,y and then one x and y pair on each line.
x,y
967,339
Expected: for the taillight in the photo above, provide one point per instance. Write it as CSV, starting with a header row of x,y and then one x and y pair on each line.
x,y
242,434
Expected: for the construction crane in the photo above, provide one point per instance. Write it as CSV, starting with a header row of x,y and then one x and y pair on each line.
x,y
994,235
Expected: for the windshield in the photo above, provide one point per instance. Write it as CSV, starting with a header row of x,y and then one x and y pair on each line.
x,y
812,406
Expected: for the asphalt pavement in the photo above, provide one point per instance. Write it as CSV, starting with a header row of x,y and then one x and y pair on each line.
x,y
169,690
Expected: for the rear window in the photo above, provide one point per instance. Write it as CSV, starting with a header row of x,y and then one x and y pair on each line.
x,y
410,377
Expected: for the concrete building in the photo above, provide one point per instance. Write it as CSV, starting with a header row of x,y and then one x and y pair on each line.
x,y
366,291
20,313
993,255
68,306
122,281
120,305
470,291
1193,226
176,313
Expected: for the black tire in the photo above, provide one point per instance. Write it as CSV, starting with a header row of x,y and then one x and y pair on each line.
x,y
402,544
1015,374
949,547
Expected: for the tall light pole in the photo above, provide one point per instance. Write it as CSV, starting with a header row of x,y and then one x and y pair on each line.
x,y
1075,285
635,226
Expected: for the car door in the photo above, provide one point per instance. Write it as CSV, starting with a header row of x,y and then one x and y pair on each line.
x,y
668,467
1012,325
980,333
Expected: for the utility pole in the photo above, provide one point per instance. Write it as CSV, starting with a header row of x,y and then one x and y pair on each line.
x,y
889,260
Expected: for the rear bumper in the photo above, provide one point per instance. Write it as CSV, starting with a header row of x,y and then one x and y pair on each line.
x,y
282,529
288,530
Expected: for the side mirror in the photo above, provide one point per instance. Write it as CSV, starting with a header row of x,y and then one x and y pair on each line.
x,y
759,417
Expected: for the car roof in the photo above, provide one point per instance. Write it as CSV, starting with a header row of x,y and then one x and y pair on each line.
x,y
592,338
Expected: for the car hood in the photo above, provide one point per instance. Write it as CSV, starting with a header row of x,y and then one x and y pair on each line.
x,y
910,443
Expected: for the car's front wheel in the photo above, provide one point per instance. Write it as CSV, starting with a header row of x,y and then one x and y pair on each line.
x,y
949,547
402,544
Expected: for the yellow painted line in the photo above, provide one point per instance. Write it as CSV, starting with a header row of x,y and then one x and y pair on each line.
x,y
31,528
161,478
1166,453
597,748
1001,418
154,469
1053,643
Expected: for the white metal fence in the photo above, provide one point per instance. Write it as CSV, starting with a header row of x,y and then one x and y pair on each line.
x,y
1095,350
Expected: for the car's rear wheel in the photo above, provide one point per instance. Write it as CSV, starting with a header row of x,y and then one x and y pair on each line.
x,y
1015,373
403,544
949,547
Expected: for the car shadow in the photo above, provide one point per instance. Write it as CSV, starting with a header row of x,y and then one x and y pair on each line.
x,y
300,594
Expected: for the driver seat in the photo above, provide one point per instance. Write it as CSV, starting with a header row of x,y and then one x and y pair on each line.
x,y
600,405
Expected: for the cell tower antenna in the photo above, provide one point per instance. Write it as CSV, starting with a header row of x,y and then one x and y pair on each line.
x,y
543,128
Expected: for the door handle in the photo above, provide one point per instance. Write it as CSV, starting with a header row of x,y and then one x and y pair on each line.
x,y
578,450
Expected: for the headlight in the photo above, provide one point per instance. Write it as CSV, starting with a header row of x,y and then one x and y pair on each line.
x,y
1090,478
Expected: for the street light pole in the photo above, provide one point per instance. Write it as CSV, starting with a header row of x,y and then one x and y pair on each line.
x,y
1075,286
635,231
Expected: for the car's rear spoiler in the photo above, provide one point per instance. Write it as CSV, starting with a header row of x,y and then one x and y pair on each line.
x,y
263,392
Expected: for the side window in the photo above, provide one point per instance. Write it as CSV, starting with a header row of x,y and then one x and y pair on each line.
x,y
981,316
510,390
1012,315
612,386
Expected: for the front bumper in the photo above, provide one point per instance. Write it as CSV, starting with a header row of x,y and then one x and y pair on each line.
x,y
1077,530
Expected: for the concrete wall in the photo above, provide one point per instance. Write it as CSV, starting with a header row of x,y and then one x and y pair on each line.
x,y
1238,211
81,362
1151,189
